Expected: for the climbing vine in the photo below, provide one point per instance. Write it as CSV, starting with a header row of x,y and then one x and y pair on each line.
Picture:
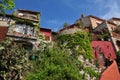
x,y
78,43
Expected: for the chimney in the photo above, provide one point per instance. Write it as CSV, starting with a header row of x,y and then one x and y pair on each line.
x,y
82,15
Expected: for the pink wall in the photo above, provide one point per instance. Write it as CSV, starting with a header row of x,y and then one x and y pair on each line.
x,y
105,48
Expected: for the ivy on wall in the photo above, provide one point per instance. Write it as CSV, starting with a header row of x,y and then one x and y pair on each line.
x,y
78,43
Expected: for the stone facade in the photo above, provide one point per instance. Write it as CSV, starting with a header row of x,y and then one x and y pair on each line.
x,y
70,29
91,21
115,21
21,29
98,25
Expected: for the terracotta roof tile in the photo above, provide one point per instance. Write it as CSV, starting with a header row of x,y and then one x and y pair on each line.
x,y
111,73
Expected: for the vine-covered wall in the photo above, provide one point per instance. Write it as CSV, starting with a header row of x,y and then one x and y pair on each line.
x,y
79,43
80,48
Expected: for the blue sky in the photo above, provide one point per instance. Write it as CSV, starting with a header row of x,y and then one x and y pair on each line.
x,y
54,13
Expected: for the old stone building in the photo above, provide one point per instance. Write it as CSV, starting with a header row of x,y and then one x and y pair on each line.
x,y
23,28
70,29
101,29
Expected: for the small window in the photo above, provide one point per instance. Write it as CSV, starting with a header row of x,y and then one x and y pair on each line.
x,y
30,30
102,59
118,43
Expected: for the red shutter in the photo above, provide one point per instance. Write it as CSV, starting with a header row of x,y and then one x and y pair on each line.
x,y
3,32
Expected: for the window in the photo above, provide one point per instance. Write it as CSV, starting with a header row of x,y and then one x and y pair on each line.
x,y
29,30
33,17
1,17
24,29
102,58
19,28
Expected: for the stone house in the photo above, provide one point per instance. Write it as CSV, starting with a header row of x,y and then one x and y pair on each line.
x,y
23,28
100,26
70,29
90,22
115,21
108,28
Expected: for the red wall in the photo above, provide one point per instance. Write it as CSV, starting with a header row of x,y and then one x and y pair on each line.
x,y
3,32
106,48
46,32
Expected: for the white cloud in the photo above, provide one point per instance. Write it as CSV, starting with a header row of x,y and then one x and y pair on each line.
x,y
113,10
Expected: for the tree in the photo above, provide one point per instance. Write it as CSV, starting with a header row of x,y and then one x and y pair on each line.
x,y
65,25
6,5
13,61
55,64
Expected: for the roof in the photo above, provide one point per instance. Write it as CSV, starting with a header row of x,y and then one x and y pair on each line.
x,y
114,18
30,11
96,17
111,23
103,19
45,29
71,26
54,33
111,73
108,22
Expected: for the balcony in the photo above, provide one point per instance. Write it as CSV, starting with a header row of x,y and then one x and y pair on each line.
x,y
22,31
33,18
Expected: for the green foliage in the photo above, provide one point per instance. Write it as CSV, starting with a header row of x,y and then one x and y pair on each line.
x,y
97,63
55,64
65,25
22,21
6,5
78,24
13,61
92,72
104,36
78,43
